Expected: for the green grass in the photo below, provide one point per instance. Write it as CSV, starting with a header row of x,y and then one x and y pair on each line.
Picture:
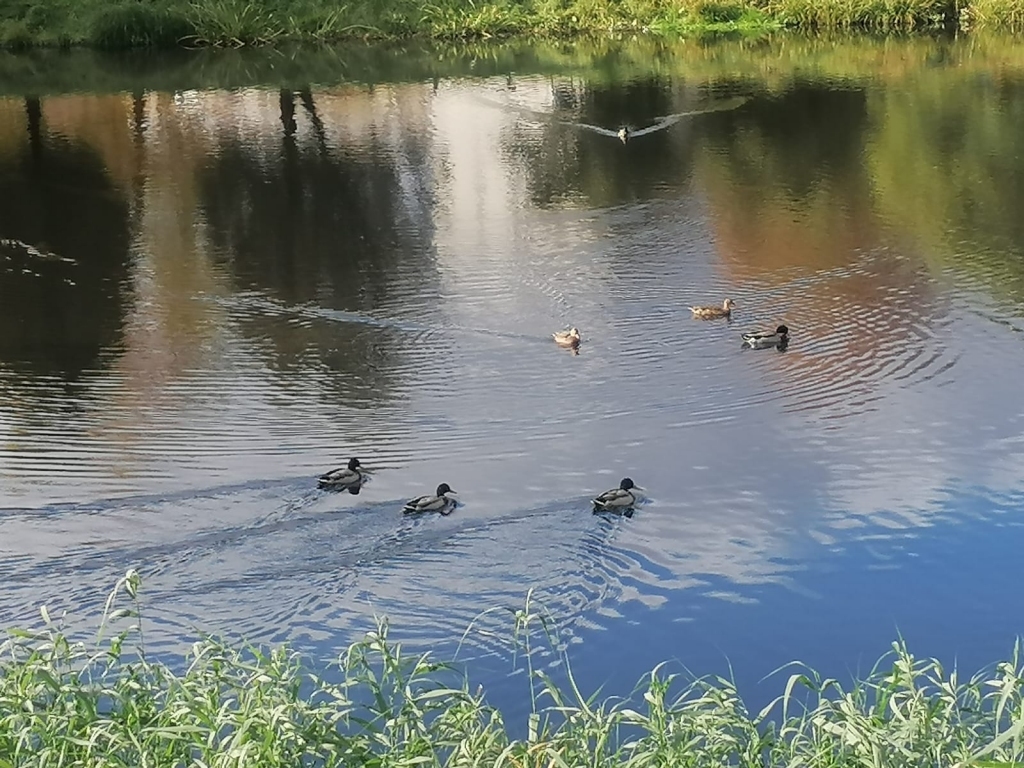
x,y
65,703
874,15
993,13
138,25
165,23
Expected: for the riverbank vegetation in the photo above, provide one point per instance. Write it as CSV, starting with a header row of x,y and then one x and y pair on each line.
x,y
63,703
169,23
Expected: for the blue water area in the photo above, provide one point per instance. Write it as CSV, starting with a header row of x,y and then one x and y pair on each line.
x,y
210,295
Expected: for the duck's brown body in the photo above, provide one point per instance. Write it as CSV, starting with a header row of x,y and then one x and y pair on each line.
x,y
711,313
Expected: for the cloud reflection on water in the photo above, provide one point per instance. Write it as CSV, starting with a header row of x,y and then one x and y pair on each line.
x,y
381,279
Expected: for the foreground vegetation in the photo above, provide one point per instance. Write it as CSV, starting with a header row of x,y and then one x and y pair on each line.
x,y
166,23
64,704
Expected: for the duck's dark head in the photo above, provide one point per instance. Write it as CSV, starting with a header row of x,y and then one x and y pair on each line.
x,y
782,330
444,488
626,484
353,463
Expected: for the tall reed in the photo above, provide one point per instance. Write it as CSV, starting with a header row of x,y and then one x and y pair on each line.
x,y
1007,14
879,15
66,703
233,23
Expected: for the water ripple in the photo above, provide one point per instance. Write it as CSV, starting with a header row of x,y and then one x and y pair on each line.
x,y
382,280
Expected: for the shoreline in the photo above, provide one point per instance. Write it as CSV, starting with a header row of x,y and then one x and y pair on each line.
x,y
171,24
845,56
68,702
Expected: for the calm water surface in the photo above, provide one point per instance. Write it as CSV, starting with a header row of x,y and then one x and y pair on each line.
x,y
224,276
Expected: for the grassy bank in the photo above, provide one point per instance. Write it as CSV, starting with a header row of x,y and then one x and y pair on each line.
x,y
66,704
168,23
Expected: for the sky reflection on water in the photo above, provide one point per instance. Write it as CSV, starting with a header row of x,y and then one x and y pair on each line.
x,y
249,286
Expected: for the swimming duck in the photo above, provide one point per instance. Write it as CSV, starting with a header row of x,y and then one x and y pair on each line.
x,y
619,499
710,313
623,134
760,340
344,478
444,501
570,338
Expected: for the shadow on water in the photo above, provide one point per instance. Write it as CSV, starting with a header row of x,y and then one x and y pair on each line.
x,y
64,237
324,219
811,133
928,163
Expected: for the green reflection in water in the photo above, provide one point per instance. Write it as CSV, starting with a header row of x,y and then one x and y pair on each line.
x,y
843,139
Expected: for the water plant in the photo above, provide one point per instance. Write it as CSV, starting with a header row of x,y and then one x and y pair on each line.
x,y
138,24
232,24
65,703
236,23
1008,14
876,15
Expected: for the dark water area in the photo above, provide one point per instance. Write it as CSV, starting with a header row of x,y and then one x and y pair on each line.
x,y
221,275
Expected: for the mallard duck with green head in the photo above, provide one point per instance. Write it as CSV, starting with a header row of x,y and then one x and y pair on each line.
x,y
761,340
348,478
444,501
619,499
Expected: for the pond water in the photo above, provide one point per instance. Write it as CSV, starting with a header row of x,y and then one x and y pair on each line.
x,y
222,274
